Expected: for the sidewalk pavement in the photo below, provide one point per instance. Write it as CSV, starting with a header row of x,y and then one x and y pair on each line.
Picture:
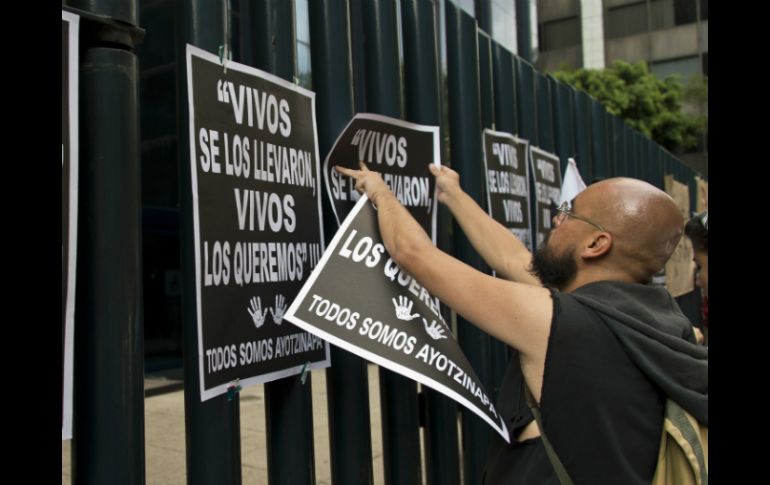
x,y
165,437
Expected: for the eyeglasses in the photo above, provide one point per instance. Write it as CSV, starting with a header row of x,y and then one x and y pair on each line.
x,y
703,218
565,210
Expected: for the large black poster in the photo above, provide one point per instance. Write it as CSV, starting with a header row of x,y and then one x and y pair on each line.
x,y
507,175
360,300
547,172
70,26
400,151
257,216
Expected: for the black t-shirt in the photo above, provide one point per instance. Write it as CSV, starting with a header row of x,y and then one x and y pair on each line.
x,y
602,415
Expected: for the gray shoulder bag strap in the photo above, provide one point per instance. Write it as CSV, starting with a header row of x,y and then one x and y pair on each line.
x,y
561,472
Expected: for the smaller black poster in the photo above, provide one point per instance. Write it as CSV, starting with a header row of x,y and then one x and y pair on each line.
x,y
400,151
359,299
547,172
507,175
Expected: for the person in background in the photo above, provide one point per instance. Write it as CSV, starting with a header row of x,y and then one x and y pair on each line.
x,y
697,230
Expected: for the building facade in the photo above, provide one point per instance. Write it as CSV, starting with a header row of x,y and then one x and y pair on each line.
x,y
671,36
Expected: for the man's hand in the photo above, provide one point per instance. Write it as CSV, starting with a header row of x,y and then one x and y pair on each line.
x,y
447,181
404,308
256,311
367,181
435,330
280,309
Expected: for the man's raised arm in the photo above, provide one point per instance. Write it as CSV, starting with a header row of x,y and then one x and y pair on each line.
x,y
502,251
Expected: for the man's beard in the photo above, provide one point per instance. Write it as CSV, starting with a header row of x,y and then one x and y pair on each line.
x,y
554,270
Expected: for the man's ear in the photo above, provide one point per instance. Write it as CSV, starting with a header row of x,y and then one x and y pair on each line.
x,y
599,244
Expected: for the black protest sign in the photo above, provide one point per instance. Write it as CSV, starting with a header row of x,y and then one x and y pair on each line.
x,y
547,172
257,217
400,151
360,300
507,175
70,27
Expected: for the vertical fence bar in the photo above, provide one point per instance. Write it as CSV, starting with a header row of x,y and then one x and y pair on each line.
x,y
486,88
609,143
656,172
108,411
423,105
644,158
346,380
599,165
398,395
526,113
213,450
582,124
563,117
465,135
618,146
288,402
631,152
524,30
526,109
545,138
505,108
498,351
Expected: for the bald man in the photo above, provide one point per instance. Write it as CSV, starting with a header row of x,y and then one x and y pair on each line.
x,y
598,347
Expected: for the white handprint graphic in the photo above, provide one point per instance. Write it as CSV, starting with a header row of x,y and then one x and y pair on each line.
x,y
280,309
255,310
435,330
404,309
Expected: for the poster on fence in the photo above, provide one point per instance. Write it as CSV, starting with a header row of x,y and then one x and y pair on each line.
x,y
70,26
400,151
257,221
507,175
360,300
547,174
680,266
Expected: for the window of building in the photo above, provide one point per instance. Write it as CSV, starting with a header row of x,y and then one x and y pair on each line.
x,y
302,25
685,11
504,24
467,5
661,14
630,19
558,34
686,67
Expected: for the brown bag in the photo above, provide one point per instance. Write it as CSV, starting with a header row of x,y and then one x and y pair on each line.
x,y
683,457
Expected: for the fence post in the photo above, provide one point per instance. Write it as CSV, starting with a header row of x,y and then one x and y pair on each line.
x,y
212,428
108,411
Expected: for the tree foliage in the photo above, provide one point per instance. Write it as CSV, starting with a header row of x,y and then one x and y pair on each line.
x,y
644,102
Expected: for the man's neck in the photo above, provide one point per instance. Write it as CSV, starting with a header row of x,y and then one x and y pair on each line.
x,y
586,277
